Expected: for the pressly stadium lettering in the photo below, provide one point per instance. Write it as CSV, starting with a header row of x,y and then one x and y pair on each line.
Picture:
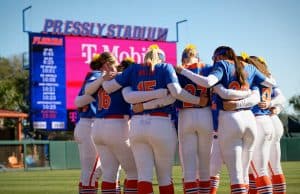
x,y
93,29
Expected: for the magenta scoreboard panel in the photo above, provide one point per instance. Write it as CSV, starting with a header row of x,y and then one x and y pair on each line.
x,y
58,65
80,50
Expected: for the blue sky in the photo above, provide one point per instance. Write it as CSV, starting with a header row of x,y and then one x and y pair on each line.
x,y
267,28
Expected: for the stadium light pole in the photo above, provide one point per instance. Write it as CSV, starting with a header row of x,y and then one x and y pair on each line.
x,y
23,16
177,24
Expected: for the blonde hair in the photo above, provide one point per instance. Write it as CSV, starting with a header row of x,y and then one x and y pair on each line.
x,y
260,65
153,56
189,51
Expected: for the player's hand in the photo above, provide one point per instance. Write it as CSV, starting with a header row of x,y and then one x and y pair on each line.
x,y
109,76
245,87
137,108
264,104
229,105
273,111
179,68
203,100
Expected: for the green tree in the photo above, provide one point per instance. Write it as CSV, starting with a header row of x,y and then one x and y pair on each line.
x,y
14,85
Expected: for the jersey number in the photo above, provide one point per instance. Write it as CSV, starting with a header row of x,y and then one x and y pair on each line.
x,y
192,89
266,95
237,86
146,85
103,99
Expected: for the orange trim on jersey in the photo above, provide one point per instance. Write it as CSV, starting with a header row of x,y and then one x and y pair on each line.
x,y
93,171
194,66
159,114
270,167
254,169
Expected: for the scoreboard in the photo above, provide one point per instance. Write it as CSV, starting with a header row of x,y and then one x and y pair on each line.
x,y
58,65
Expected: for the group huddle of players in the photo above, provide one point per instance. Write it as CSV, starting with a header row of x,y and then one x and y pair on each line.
x,y
132,116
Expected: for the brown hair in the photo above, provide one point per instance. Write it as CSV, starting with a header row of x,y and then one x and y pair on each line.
x,y
260,65
96,64
125,63
108,57
229,54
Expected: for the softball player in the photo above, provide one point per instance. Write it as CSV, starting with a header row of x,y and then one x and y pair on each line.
x,y
110,134
194,135
265,131
236,134
90,165
216,158
152,135
277,176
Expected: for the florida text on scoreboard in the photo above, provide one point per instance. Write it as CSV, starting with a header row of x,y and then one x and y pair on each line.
x,y
58,65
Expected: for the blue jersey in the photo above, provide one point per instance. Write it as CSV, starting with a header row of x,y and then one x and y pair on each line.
x,y
265,95
141,78
225,72
111,104
273,92
88,111
191,87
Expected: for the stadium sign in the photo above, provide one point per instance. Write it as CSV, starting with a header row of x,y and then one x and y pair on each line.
x,y
92,29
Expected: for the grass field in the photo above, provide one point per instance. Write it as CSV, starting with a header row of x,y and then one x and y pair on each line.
x,y
65,181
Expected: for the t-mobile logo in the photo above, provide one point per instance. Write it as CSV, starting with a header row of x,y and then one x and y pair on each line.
x,y
73,116
88,51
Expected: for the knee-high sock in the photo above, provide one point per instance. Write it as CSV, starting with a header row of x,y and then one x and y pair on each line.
x,y
214,184
145,187
264,185
279,184
168,189
238,189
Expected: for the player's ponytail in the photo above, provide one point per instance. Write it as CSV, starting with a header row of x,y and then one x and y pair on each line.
x,y
228,53
126,62
260,64
153,56
95,64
